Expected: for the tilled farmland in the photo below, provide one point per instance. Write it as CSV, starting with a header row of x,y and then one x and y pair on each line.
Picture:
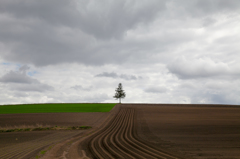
x,y
164,131
118,140
26,149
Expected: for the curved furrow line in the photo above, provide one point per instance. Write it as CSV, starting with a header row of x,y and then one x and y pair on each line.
x,y
121,117
128,137
99,140
104,143
115,150
120,144
134,146
126,146
115,142
145,146
96,148
119,140
145,153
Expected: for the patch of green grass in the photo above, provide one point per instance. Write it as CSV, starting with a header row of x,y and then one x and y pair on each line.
x,y
43,152
57,108
85,127
27,129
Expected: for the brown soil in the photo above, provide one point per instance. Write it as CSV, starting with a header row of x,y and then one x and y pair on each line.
x,y
30,148
72,148
13,138
142,131
119,140
28,144
196,131
52,119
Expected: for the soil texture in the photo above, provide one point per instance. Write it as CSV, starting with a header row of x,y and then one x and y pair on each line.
x,y
131,131
196,131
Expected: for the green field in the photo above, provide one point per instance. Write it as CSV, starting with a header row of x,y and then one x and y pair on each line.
x,y
57,108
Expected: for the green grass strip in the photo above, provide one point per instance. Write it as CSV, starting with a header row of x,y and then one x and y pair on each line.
x,y
56,108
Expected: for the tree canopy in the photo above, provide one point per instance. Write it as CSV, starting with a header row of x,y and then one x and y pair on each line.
x,y
119,93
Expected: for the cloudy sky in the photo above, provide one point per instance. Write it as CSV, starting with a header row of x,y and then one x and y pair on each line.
x,y
162,51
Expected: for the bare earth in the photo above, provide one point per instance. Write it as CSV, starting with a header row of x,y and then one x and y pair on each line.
x,y
130,131
196,131
29,144
52,119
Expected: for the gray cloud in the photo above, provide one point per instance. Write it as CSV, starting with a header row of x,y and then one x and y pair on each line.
x,y
79,87
208,21
200,68
35,87
156,89
66,31
18,76
23,69
191,47
53,32
20,94
122,76
106,74
201,8
21,82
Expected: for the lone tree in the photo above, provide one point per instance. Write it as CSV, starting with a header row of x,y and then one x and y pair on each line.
x,y
119,93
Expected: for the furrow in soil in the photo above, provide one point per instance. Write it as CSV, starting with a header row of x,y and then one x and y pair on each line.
x,y
119,140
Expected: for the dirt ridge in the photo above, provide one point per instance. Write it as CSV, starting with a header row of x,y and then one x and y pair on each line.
x,y
118,140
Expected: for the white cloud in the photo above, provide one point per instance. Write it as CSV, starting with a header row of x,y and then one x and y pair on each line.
x,y
161,51
200,68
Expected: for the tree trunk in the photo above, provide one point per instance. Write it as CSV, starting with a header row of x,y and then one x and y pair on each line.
x,y
120,100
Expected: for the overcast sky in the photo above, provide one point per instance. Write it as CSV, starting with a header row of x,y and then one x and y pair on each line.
x,y
162,51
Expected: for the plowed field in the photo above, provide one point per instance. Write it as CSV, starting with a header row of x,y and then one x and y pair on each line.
x,y
30,148
138,131
119,140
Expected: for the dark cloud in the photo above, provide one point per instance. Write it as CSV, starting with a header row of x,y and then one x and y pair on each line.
x,y
115,18
52,32
184,44
21,82
18,76
122,76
